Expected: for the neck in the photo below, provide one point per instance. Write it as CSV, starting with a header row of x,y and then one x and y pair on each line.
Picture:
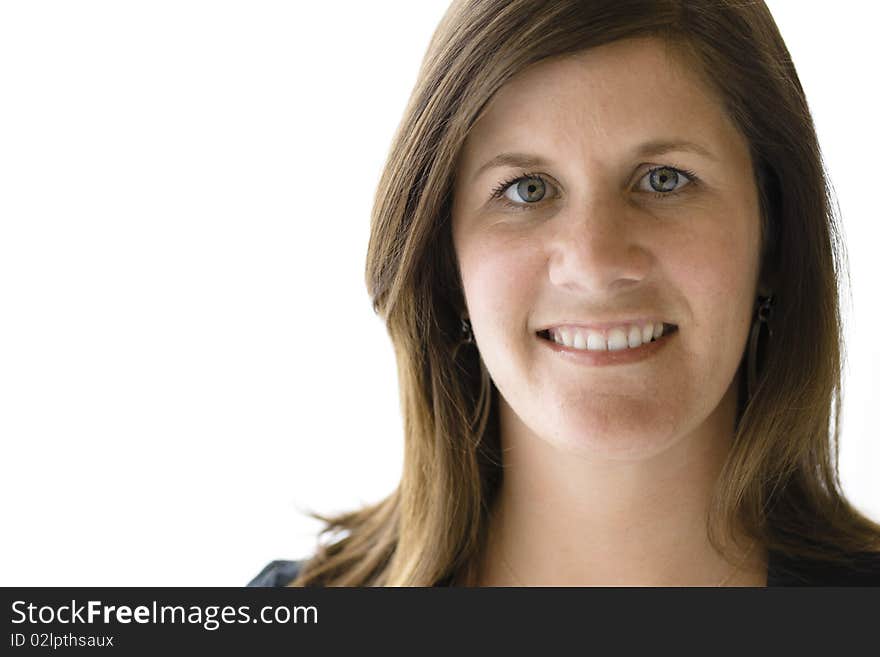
x,y
564,520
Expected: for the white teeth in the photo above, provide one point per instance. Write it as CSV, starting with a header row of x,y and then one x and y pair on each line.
x,y
596,341
622,337
634,339
566,337
616,339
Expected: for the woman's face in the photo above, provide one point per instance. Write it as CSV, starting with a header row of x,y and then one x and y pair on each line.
x,y
603,228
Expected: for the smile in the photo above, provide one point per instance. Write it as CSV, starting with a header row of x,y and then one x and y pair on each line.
x,y
611,348
625,336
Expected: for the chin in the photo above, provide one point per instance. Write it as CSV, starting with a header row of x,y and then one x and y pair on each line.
x,y
623,436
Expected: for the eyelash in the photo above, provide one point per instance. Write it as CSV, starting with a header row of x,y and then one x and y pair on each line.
x,y
498,191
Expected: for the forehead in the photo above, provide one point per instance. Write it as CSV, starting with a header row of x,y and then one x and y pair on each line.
x,y
602,100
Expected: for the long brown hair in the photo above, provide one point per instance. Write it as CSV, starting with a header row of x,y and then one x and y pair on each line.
x,y
780,480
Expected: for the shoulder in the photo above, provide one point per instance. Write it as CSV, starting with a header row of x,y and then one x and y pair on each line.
x,y
860,569
277,573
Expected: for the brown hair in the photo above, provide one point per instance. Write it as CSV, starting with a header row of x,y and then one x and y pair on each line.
x,y
780,479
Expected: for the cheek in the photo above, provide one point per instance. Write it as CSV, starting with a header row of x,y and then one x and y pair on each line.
x,y
499,276
716,271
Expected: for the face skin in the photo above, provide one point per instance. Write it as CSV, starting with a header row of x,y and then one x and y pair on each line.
x,y
608,470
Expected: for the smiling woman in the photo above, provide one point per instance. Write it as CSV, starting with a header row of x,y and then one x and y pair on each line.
x,y
603,248
629,238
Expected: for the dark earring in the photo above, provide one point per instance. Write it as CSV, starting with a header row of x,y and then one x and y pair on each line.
x,y
467,333
763,314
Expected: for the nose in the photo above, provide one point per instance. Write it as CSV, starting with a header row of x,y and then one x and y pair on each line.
x,y
595,248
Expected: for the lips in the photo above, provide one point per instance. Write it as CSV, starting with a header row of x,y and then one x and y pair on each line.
x,y
619,350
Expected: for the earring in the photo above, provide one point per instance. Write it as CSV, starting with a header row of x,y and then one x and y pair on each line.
x,y
762,318
467,333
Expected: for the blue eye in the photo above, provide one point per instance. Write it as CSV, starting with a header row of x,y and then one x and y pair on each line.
x,y
532,187
664,180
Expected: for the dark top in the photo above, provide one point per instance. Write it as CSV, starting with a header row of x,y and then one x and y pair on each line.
x,y
781,571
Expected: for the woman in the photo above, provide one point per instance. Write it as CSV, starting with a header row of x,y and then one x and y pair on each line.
x,y
604,250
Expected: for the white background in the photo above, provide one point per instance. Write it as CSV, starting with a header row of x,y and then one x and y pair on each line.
x,y
187,351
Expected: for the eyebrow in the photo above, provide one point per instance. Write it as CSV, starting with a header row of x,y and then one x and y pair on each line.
x,y
654,147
